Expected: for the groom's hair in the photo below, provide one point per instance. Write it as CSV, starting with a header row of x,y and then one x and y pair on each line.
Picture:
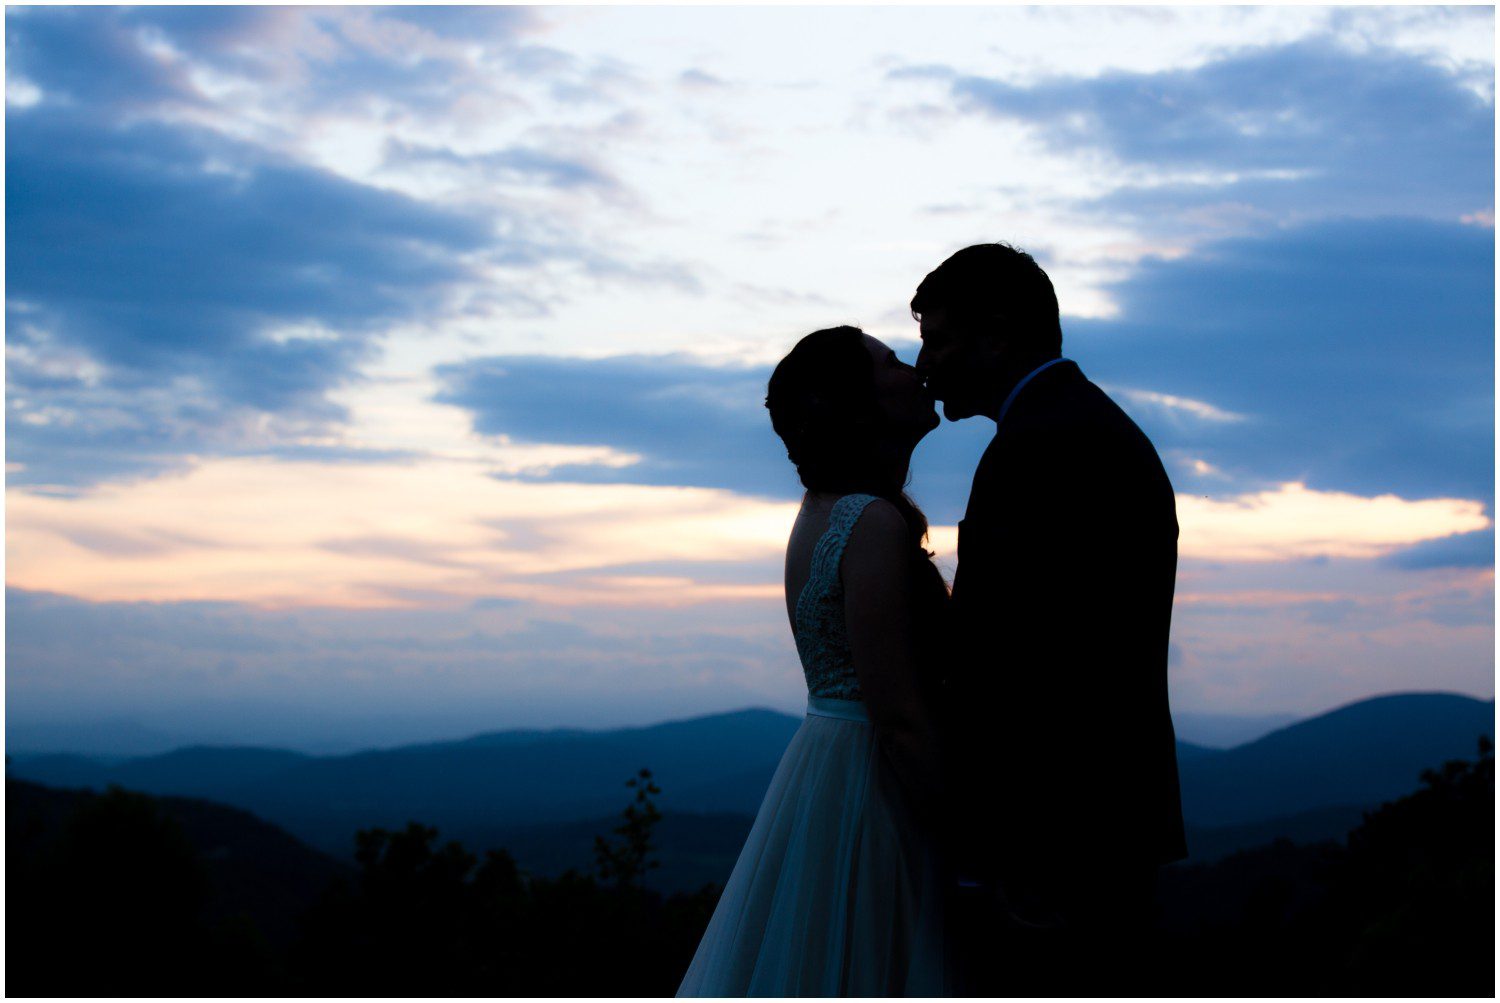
x,y
994,287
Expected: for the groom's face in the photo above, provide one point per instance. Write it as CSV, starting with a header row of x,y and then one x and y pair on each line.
x,y
956,362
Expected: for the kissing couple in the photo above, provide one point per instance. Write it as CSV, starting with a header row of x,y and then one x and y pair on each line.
x,y
986,780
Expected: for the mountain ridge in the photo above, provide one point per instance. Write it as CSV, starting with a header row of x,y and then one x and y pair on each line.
x,y
1352,757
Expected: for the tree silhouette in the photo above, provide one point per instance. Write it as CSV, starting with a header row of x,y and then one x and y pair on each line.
x,y
626,862
111,878
1415,893
1405,907
426,919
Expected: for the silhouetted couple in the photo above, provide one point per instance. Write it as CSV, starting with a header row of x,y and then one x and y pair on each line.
x,y
985,782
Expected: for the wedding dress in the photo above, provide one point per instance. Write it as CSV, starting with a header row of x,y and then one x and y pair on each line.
x,y
837,891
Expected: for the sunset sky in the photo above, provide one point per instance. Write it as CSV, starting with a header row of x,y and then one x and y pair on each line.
x,y
385,374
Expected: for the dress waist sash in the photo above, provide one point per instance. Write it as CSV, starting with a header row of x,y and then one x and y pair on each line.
x,y
844,710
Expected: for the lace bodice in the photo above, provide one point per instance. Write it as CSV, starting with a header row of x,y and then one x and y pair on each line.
x,y
822,641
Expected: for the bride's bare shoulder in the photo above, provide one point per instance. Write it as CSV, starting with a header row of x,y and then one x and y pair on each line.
x,y
878,539
879,519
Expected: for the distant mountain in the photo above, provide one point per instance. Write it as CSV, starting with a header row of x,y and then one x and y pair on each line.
x,y
1187,751
116,738
498,781
202,770
1225,731
1304,780
61,769
1356,756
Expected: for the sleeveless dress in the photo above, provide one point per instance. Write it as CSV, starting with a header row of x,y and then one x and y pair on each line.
x,y
837,891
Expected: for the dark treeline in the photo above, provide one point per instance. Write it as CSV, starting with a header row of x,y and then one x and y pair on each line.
x,y
124,894
1404,907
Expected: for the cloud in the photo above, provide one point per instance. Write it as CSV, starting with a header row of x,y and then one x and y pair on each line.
x,y
238,673
420,532
1462,550
699,80
109,60
95,61
430,533
1354,357
690,422
160,304
511,165
1293,523
1303,129
182,284
1312,634
1359,354
465,23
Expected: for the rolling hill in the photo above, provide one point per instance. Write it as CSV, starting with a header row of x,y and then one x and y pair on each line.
x,y
554,789
1356,756
253,868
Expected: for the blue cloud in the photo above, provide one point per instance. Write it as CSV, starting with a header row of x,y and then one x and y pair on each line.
x,y
147,283
1466,550
691,423
174,292
98,60
1361,354
466,23
91,59
1355,356
514,164
1375,133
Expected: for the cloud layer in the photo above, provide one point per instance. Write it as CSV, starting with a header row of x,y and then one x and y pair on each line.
x,y
1354,357
460,319
1307,129
1361,355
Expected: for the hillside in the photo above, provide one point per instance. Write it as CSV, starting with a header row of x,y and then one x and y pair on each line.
x,y
500,781
254,870
1356,756
1305,781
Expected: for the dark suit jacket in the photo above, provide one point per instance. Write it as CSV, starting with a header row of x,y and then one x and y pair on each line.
x,y
1067,558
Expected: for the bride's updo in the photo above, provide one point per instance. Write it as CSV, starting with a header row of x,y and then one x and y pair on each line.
x,y
823,406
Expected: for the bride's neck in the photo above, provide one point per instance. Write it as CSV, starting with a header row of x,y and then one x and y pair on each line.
x,y
893,461
884,474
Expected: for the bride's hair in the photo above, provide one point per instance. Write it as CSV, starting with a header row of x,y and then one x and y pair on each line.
x,y
823,405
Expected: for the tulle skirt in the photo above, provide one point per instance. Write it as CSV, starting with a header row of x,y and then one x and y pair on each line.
x,y
837,891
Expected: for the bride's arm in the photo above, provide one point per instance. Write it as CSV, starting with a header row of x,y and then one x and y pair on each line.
x,y
879,615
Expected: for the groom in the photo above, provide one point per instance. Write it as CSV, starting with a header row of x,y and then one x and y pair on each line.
x,y
1064,758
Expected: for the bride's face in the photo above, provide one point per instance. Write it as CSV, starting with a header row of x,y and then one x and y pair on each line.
x,y
903,401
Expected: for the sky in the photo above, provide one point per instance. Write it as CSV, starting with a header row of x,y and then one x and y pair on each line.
x,y
384,374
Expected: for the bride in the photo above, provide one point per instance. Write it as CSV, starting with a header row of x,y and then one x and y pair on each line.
x,y
837,891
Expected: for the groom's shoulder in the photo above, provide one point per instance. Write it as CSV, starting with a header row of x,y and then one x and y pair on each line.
x,y
1078,404
1072,418
1067,404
